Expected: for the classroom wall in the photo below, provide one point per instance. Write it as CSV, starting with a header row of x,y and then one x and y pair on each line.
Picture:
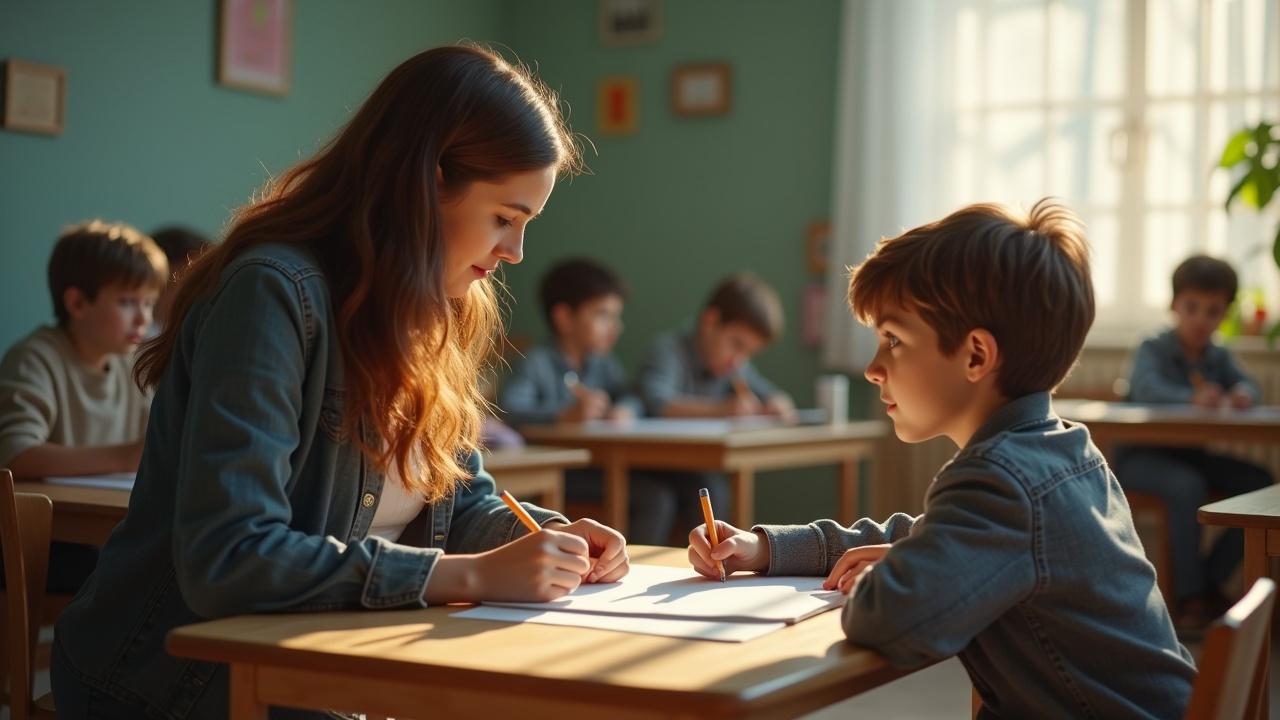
x,y
150,138
684,201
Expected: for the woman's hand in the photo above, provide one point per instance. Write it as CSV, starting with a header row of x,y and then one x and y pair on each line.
x,y
538,567
606,546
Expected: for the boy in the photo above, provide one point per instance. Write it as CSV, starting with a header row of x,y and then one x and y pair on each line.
x,y
707,372
1025,561
68,402
1184,365
575,378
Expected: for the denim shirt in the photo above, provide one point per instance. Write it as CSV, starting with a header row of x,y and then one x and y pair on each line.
x,y
1162,373
249,498
674,368
1026,564
536,393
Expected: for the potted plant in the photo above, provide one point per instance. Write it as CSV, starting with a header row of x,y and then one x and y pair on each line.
x,y
1256,152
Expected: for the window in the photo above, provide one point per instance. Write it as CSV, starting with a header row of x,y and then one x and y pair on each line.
x,y
1121,107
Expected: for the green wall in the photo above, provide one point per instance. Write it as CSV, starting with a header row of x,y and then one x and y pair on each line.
x,y
684,201
150,138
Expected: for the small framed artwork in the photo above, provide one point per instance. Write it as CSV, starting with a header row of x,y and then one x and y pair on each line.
x,y
630,22
35,97
255,45
701,90
817,240
617,101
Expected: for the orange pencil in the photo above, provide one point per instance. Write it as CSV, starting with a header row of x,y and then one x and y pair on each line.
x,y
704,496
520,512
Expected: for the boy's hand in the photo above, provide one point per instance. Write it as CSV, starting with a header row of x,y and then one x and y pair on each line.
x,y
738,405
620,413
782,405
606,547
852,566
1208,395
1240,398
590,405
738,550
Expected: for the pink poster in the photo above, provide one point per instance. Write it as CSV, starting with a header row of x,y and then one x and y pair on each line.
x,y
254,46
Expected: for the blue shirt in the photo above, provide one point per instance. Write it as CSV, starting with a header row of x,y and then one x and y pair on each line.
x,y
1026,564
536,392
250,498
674,368
1162,372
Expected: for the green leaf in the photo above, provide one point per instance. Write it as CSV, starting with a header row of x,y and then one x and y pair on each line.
x,y
1272,335
1236,190
1275,249
1234,151
1265,182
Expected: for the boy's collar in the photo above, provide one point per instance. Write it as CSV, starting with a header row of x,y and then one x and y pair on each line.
x,y
1019,411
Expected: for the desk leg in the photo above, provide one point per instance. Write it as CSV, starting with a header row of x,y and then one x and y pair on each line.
x,y
849,490
616,493
742,483
244,694
1256,566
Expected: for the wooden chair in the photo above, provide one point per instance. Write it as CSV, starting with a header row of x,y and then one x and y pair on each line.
x,y
1229,682
26,521
1230,685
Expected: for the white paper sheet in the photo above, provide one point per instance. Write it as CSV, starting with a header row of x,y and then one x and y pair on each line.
x,y
651,591
667,627
113,481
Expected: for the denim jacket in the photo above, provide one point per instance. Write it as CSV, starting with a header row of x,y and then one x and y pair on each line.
x,y
1162,373
1025,563
249,498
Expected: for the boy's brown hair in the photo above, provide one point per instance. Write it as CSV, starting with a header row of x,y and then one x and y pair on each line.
x,y
1206,274
95,254
745,298
1024,279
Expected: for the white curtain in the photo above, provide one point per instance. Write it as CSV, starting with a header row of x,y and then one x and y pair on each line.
x,y
895,138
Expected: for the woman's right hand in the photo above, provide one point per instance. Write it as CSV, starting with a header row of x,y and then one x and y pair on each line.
x,y
537,567
738,550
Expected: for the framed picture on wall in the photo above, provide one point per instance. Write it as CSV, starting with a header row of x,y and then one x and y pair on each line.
x,y
255,45
617,104
35,96
630,22
701,90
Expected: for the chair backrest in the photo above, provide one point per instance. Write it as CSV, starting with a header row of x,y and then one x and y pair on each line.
x,y
1232,656
26,521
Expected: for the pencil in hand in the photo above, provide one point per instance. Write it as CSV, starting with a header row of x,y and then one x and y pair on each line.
x,y
704,496
520,512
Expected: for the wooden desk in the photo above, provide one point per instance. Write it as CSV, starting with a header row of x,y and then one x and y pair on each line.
x,y
1110,423
739,448
425,663
1258,515
88,515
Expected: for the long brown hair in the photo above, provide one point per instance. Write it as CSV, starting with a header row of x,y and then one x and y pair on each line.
x,y
368,206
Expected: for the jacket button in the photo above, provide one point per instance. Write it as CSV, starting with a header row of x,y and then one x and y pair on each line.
x,y
368,500
439,537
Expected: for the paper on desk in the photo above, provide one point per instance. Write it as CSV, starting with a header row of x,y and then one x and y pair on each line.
x,y
666,627
113,481
651,591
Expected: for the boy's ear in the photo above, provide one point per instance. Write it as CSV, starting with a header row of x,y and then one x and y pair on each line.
x,y
983,354
710,318
561,318
74,301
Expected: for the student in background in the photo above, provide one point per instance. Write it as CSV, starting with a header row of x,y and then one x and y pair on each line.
x,y
1025,561
707,371
180,245
575,377
1184,365
317,409
68,403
